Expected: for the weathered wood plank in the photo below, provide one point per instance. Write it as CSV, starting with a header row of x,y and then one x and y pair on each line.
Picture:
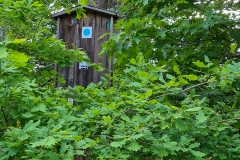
x,y
71,33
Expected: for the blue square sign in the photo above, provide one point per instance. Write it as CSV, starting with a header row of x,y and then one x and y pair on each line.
x,y
86,32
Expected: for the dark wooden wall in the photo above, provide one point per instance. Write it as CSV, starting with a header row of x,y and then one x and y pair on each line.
x,y
92,46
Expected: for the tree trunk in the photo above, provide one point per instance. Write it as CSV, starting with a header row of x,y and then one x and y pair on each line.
x,y
106,4
2,34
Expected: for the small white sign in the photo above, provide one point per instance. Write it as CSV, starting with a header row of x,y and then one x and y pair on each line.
x,y
86,32
83,65
70,100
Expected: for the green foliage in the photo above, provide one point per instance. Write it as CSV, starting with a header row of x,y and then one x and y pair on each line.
x,y
175,32
136,118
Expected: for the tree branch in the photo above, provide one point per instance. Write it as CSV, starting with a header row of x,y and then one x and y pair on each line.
x,y
5,117
226,120
186,89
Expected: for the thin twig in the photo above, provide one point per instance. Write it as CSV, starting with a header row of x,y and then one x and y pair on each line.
x,y
189,97
127,110
35,30
226,120
186,89
5,117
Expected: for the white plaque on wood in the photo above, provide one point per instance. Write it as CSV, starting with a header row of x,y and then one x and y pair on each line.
x,y
86,32
83,65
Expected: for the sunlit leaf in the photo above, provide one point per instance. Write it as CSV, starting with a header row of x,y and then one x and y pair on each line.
x,y
200,64
3,52
134,146
233,47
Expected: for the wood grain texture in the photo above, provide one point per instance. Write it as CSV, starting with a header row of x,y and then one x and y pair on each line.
x,y
72,35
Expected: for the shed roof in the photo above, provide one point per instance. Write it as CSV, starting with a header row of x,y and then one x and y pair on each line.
x,y
87,8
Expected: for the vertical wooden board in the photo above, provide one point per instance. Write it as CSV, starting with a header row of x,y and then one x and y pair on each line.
x,y
85,76
61,35
69,39
88,45
96,46
69,31
59,31
77,44
100,30
82,73
71,34
110,61
102,59
93,41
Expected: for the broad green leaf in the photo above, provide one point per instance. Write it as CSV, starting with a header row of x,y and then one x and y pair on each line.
x,y
162,33
50,141
68,10
154,78
116,37
191,77
200,64
21,59
201,117
23,137
36,4
98,67
133,61
136,136
31,125
117,144
52,155
29,1
111,105
61,80
64,147
80,152
233,47
3,52
180,124
198,153
136,39
169,144
29,85
84,2
176,69
134,146
80,144
182,80
193,109
107,119
41,107
27,115
104,35
144,75
14,145
57,5
194,145
174,107
18,41
145,2
148,93
77,138
169,76
234,104
95,112
53,72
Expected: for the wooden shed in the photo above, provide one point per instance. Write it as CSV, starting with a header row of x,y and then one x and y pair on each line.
x,y
84,33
